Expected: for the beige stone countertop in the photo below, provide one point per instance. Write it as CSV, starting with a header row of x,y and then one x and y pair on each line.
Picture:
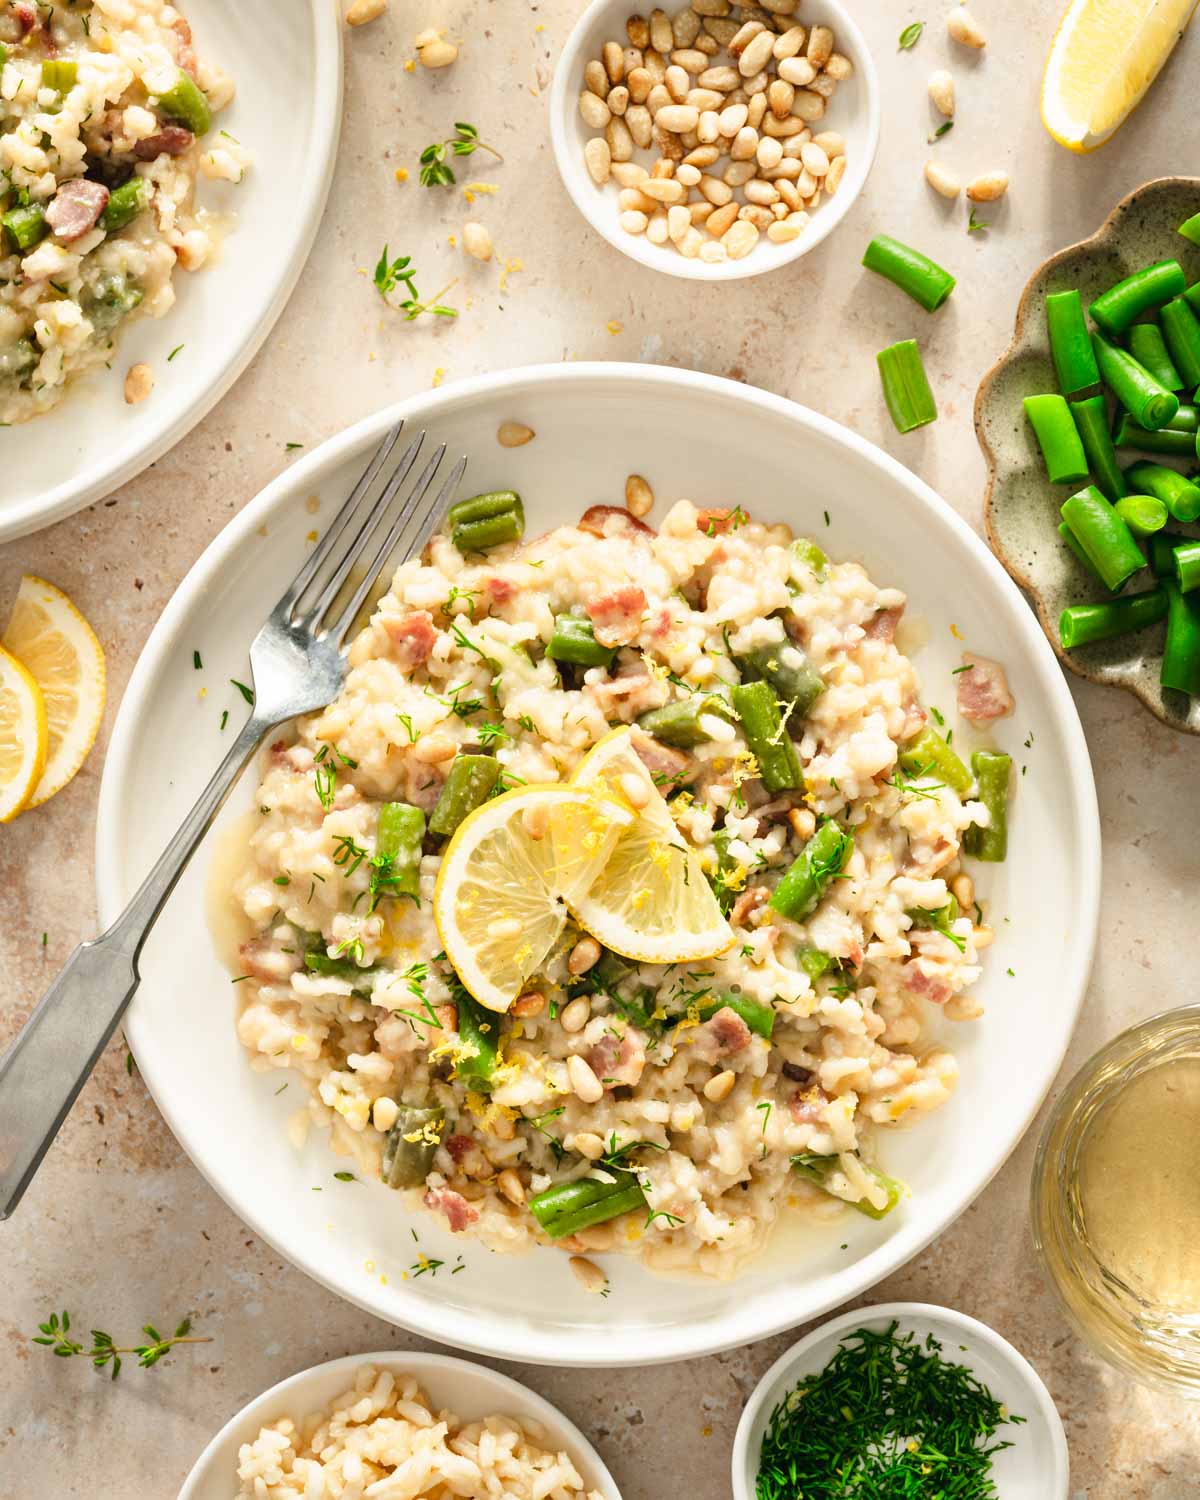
x,y
119,1227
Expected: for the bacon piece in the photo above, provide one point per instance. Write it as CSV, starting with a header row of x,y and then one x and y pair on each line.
x,y
727,1031
920,978
171,140
983,693
882,625
662,624
25,15
624,696
616,616
807,1106
613,520
500,590
292,757
937,859
186,52
915,719
663,762
716,520
422,783
618,1061
264,961
414,637
458,1212
749,901
76,208
458,1146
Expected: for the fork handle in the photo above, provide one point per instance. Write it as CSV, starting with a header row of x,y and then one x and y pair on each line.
x,y
43,1071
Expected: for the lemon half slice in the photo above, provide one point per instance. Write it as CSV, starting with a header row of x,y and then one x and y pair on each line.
x,y
1105,55
58,647
650,901
505,876
23,736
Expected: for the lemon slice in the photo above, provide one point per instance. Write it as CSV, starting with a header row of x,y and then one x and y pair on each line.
x,y
23,736
1105,55
60,650
650,901
499,899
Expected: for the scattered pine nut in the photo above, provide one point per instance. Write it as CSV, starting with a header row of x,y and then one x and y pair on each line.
x,y
575,1014
584,1083
720,1086
589,1144
477,241
363,11
434,51
531,1003
512,1187
138,384
589,1274
965,29
583,955
513,434
988,188
941,92
639,499
942,179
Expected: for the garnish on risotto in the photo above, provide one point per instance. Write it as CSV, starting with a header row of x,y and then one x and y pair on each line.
x,y
608,903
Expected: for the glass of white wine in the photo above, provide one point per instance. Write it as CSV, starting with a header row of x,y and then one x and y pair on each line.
x,y
1116,1201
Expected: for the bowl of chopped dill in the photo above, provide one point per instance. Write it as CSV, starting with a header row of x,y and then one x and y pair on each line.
x,y
894,1399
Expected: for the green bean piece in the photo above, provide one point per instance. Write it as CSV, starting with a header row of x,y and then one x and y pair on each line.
x,y
1190,229
923,279
479,1033
574,640
1162,553
992,771
486,521
113,299
1143,514
1193,297
1091,417
758,1017
411,1145
766,734
398,838
935,918
124,204
1072,542
1179,495
1182,333
788,670
1176,438
1148,347
185,102
59,73
318,961
682,723
1058,438
1070,343
1180,668
1187,565
1081,624
484,507
572,1206
468,786
819,863
1117,308
814,962
810,555
819,1169
18,360
24,226
906,386
1145,398
3,54
930,755
1103,535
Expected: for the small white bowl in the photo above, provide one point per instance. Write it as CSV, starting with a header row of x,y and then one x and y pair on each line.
x,y
853,113
469,1390
1034,1468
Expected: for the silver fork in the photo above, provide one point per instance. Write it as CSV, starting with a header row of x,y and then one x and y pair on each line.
x,y
298,660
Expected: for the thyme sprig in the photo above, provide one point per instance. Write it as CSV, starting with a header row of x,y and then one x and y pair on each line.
x,y
103,1352
436,171
390,274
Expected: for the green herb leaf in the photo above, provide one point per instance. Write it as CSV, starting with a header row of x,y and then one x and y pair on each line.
x,y
974,225
910,35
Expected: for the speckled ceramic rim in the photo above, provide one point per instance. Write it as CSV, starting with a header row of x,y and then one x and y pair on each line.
x,y
973,1332
600,210
1019,574
311,193
511,1398
468,1329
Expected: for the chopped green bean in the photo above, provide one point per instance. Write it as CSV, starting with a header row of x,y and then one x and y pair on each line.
x,y
411,1145
124,204
1148,347
479,1032
1072,542
1182,333
923,279
398,837
24,226
1190,229
184,101
1193,298
682,723
1143,514
1145,398
758,1017
992,771
1162,553
810,555
18,360
930,755
1070,343
1080,624
1179,495
1177,438
1117,308
1103,535
1091,418
468,786
906,386
814,962
1058,438
819,1169
486,521
59,73
1187,565
785,666
571,1206
574,640
766,734
819,863
1180,669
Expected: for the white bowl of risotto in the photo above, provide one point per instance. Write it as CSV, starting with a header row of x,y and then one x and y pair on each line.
x,y
731,157
411,1423
749,1220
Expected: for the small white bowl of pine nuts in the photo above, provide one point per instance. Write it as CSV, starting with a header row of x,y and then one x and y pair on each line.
x,y
718,139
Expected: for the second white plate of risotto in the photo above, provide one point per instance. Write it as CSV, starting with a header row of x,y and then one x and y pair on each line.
x,y
677,918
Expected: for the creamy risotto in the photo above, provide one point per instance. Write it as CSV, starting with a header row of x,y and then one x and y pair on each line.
x,y
106,120
665,1110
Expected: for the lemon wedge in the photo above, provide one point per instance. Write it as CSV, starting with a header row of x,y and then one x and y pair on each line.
x,y
650,900
58,647
506,874
23,736
1105,55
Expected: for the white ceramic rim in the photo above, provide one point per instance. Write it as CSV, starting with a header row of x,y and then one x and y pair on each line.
x,y
567,73
974,1331
414,1362
470,1331
94,484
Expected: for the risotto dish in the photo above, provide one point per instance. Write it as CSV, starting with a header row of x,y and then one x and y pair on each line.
x,y
610,903
106,120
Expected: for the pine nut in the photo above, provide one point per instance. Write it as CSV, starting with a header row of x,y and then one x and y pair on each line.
x,y
708,131
628,173
808,106
633,221
787,191
721,29
583,1080
717,192
634,198
575,1015
769,152
437,54
756,214
633,59
598,160
796,143
806,183
720,220
447,1016
692,244
138,384
941,92
962,888
964,28
639,501
639,83
700,210
942,179
711,7
781,7
831,143
677,118
983,936
744,144
837,170
702,156
793,125
588,1274
739,239
824,85
706,44
662,37
732,118
665,190
594,111
476,240
613,56
814,159
690,59
797,71
638,31
640,125
756,54
589,1144
595,79
384,1113
988,188
757,84
657,97
713,252
685,28
514,435
679,221
780,233
620,142
363,11
531,1003
656,230
512,1187
721,79
820,46
790,44
678,83
618,99
744,36
687,174
583,955
655,64
704,99
757,105
739,173
761,192
720,1086
839,68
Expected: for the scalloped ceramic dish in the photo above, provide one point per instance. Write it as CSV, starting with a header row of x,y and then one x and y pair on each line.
x,y
1021,505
